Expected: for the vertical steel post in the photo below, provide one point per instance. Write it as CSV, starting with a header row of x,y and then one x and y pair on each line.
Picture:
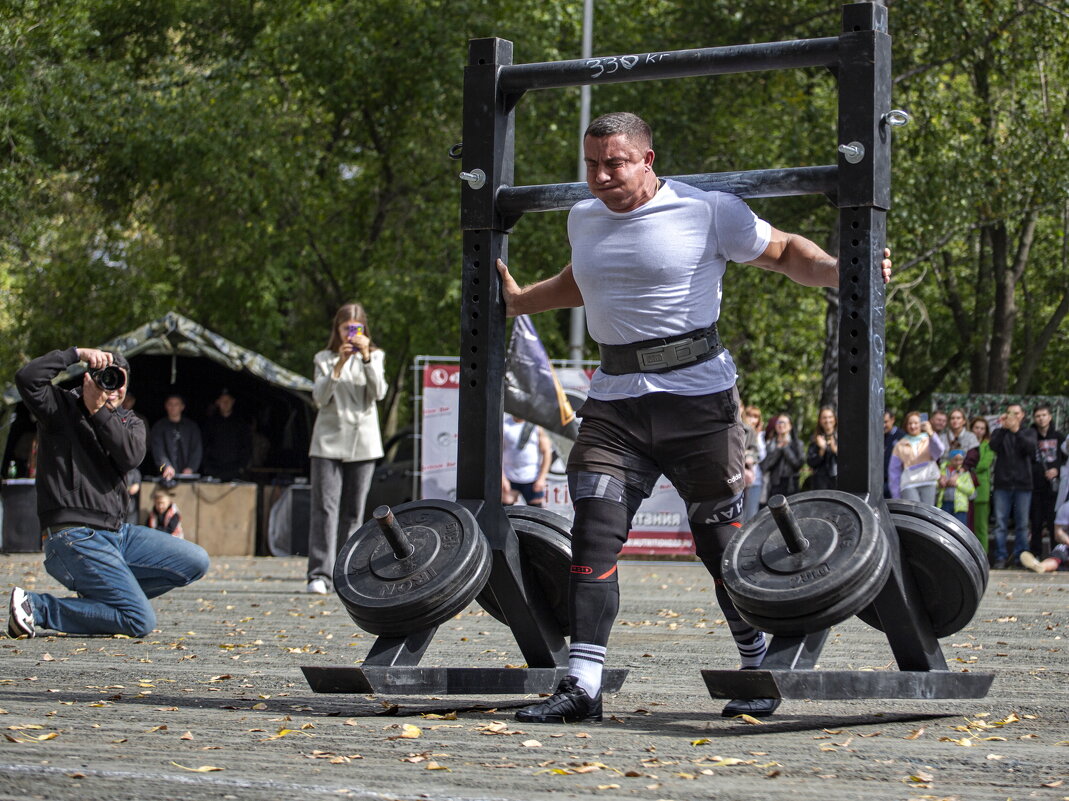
x,y
864,198
864,74
489,148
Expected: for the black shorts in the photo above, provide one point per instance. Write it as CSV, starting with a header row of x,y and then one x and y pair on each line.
x,y
697,442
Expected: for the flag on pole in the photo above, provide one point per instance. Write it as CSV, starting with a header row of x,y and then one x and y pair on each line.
x,y
532,390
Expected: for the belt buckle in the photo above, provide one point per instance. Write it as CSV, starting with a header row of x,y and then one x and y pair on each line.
x,y
665,357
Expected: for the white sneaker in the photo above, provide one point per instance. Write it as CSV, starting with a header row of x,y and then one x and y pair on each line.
x,y
317,587
1030,562
20,622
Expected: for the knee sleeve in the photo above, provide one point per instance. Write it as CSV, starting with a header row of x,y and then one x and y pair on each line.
x,y
598,533
713,524
604,507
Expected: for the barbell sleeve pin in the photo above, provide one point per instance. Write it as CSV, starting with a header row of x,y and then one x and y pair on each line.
x,y
787,524
391,529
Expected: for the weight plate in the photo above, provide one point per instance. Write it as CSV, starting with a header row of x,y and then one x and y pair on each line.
x,y
545,542
949,583
765,579
863,594
448,566
950,524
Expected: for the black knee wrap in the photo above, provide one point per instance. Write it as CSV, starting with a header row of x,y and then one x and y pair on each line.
x,y
713,524
598,533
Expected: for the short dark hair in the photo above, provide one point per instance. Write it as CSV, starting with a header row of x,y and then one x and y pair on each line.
x,y
630,125
1042,406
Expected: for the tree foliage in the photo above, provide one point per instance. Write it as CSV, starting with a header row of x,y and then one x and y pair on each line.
x,y
254,164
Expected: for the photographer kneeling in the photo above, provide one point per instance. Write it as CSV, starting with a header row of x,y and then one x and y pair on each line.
x,y
86,444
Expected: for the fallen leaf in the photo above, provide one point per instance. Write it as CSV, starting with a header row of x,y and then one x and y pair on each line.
x,y
201,769
187,736
410,732
436,766
913,735
531,744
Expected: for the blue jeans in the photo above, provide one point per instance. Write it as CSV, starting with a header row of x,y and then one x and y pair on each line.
x,y
949,508
114,573
1017,502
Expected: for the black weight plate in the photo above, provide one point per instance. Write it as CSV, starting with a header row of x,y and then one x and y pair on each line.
x,y
945,573
393,597
947,522
763,578
861,594
546,557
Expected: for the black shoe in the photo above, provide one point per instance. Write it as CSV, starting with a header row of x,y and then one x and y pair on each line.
x,y
569,704
20,621
754,707
1000,564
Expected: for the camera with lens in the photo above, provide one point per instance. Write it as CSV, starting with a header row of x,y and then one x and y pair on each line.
x,y
108,378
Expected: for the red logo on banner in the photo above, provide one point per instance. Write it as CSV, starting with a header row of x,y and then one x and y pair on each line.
x,y
441,375
582,570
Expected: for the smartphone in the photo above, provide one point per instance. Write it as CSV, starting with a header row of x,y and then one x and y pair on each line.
x,y
924,417
353,330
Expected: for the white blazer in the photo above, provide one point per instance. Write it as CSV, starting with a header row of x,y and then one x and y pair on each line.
x,y
347,426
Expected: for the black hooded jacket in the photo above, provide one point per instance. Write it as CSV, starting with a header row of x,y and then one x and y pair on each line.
x,y
82,459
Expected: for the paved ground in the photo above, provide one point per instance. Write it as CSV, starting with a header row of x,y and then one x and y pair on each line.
x,y
214,706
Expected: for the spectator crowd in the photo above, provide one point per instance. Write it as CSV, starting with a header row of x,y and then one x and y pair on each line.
x,y
1005,475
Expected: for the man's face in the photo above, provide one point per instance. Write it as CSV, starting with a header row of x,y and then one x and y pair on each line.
x,y
957,421
174,408
939,421
225,404
1014,416
1041,418
618,171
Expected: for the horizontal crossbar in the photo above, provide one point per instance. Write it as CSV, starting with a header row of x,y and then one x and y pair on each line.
x,y
846,684
519,78
516,200
444,680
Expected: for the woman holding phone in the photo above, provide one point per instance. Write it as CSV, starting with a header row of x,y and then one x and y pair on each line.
x,y
350,378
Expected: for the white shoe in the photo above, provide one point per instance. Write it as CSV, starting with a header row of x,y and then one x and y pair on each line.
x,y
317,587
1030,562
20,622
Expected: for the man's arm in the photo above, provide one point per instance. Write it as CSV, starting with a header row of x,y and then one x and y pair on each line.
x,y
34,381
805,262
558,292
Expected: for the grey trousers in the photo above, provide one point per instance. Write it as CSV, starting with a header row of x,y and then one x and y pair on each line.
x,y
339,491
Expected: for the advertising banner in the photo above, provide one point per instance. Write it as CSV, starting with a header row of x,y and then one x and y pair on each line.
x,y
660,525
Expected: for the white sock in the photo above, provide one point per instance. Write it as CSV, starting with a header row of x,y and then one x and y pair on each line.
x,y
585,662
752,653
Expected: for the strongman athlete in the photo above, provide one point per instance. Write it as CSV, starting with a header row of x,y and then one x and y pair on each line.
x,y
648,262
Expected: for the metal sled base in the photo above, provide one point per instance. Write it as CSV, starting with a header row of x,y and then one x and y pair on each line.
x,y
444,680
846,684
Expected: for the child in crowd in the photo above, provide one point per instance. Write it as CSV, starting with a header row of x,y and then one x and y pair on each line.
x,y
1059,555
955,487
164,514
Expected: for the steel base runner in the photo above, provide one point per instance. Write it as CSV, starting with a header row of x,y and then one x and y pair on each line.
x,y
445,680
846,685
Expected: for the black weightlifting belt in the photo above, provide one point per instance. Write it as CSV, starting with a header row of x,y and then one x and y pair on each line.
x,y
661,355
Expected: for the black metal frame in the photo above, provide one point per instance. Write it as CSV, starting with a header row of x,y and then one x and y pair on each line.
x,y
860,56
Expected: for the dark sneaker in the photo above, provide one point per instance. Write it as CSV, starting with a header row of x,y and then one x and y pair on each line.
x,y
1000,564
754,707
20,615
569,704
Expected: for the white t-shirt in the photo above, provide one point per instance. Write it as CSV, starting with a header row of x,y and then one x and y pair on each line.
x,y
657,271
519,464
